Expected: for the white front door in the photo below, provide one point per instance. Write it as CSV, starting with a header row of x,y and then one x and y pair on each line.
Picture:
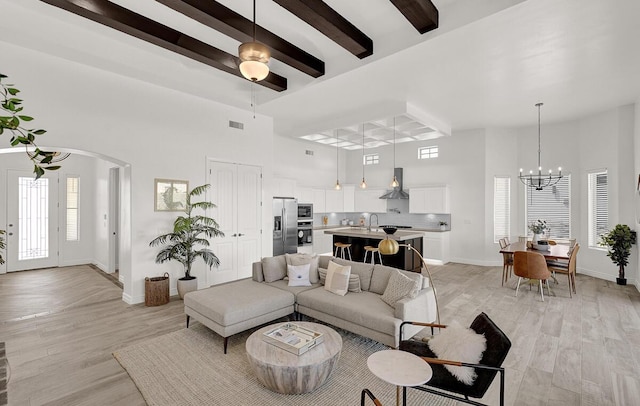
x,y
32,221
236,190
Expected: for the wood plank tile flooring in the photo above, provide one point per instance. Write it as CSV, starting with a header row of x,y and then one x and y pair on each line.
x,y
61,326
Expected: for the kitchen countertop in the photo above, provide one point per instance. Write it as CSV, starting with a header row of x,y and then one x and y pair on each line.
x,y
375,233
339,227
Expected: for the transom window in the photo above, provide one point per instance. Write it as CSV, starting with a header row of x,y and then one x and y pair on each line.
x,y
598,202
371,159
552,204
428,152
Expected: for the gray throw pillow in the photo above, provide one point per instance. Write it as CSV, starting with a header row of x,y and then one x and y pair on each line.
x,y
399,286
358,268
274,268
304,259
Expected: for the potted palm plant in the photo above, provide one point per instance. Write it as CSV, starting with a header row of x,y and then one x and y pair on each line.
x,y
189,240
619,242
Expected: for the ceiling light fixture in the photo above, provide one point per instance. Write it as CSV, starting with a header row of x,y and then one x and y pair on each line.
x,y
254,57
48,157
363,185
338,187
394,182
539,181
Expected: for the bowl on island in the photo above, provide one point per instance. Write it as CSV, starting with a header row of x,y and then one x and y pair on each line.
x,y
390,230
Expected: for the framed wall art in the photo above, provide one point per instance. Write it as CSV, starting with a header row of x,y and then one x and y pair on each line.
x,y
170,194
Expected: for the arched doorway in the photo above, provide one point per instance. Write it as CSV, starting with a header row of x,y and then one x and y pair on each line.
x,y
104,222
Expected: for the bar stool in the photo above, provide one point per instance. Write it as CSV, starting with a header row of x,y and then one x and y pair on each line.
x,y
369,249
341,246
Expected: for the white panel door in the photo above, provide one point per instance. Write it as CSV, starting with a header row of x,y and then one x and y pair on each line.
x,y
236,190
222,179
32,221
249,213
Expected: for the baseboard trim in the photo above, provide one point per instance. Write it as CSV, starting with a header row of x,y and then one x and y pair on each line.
x,y
469,261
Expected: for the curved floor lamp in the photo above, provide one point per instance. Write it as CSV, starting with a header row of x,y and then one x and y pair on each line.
x,y
391,247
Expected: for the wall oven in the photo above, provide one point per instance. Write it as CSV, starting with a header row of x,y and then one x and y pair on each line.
x,y
305,224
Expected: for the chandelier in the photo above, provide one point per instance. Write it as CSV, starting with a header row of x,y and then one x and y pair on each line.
x,y
254,56
539,180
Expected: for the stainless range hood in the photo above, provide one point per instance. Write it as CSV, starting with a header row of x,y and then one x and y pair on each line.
x,y
397,192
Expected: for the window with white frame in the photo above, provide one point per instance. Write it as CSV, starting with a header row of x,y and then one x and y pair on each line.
x,y
552,204
428,152
598,204
501,207
371,159
73,194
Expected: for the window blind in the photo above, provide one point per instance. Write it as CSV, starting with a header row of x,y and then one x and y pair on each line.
x,y
501,207
598,202
552,204
73,190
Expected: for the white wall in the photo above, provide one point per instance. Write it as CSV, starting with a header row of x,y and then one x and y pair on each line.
x,y
159,133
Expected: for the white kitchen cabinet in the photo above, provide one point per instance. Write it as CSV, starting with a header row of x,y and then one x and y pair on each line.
x,y
284,187
368,201
322,243
348,195
435,247
334,201
429,199
304,195
319,201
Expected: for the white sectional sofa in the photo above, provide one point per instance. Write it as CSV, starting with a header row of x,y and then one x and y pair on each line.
x,y
237,306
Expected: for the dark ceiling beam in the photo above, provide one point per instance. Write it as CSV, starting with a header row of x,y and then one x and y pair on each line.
x,y
222,19
124,20
323,18
422,14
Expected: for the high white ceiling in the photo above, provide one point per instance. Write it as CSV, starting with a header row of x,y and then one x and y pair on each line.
x,y
486,65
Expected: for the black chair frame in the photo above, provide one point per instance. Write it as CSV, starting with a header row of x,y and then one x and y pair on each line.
x,y
463,397
363,397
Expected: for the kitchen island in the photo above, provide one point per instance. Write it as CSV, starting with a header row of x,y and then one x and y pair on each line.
x,y
361,237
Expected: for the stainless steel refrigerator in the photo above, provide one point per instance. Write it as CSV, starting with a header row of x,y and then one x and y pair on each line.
x,y
285,225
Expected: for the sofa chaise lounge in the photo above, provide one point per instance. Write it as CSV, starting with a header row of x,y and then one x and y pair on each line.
x,y
236,306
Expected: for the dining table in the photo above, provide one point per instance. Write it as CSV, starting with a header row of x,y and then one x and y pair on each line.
x,y
558,251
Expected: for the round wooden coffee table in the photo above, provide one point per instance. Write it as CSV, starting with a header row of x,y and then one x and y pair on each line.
x,y
288,373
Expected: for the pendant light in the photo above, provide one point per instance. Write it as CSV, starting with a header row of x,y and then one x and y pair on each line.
x,y
337,187
394,182
363,185
539,181
254,57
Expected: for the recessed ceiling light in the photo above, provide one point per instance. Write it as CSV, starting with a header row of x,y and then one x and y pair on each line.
x,y
328,141
313,137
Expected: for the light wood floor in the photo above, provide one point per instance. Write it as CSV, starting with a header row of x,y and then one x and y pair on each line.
x,y
61,326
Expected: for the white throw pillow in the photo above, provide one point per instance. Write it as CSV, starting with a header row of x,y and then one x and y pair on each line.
x,y
398,287
337,278
298,275
303,258
458,343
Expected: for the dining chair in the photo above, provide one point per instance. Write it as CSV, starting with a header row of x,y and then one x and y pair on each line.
x,y
507,261
569,269
532,266
522,238
506,239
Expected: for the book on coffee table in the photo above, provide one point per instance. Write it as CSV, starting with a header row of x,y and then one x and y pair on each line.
x,y
293,338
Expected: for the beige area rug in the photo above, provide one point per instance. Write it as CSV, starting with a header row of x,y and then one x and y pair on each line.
x,y
188,367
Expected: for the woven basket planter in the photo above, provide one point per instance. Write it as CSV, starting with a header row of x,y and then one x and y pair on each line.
x,y
156,290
